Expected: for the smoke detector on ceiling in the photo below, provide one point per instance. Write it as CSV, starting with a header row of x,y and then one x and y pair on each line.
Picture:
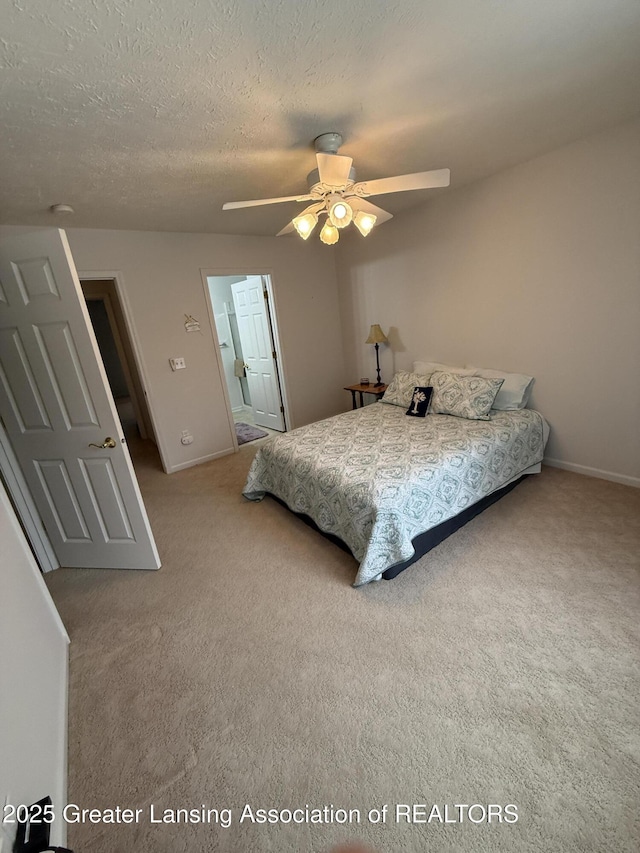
x,y
61,208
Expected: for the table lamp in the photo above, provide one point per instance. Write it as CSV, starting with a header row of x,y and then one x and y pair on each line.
x,y
377,337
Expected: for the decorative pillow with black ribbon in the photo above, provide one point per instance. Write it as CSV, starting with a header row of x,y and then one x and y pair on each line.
x,y
420,401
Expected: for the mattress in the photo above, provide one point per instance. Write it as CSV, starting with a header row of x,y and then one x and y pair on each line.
x,y
376,478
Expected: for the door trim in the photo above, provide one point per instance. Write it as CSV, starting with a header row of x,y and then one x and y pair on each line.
x,y
118,279
267,277
216,353
106,297
272,314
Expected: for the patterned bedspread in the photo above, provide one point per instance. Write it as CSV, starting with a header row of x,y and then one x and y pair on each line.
x,y
377,478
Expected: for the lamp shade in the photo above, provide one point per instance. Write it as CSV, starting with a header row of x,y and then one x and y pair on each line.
x,y
377,336
364,222
305,224
340,213
329,233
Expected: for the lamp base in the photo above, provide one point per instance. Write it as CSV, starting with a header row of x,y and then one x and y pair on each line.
x,y
379,381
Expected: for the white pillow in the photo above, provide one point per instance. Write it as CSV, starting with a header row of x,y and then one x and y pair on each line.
x,y
429,367
515,390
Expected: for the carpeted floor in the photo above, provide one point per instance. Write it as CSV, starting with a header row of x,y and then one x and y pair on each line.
x,y
503,668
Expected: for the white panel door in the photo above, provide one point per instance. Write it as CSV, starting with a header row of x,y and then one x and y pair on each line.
x,y
58,411
258,352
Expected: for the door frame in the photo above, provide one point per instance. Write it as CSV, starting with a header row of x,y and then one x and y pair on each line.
x,y
118,280
267,279
104,295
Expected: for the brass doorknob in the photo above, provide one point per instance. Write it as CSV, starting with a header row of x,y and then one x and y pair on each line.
x,y
108,442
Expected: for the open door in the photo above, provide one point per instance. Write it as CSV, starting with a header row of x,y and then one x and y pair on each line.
x,y
59,413
258,352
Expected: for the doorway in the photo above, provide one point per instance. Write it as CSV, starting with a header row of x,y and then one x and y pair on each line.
x,y
112,336
242,312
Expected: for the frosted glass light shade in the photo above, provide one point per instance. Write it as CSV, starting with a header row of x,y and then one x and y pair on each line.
x,y
340,213
305,224
364,222
329,233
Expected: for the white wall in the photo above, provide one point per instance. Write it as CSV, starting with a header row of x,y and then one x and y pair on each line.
x,y
535,270
162,278
220,288
33,679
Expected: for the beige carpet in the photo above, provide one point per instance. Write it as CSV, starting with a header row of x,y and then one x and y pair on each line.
x,y
503,668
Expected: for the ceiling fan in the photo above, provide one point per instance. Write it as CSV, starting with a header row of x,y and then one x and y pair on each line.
x,y
334,192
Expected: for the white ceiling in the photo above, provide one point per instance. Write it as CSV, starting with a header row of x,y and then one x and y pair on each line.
x,y
149,114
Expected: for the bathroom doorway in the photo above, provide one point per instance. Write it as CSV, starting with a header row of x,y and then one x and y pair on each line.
x,y
243,314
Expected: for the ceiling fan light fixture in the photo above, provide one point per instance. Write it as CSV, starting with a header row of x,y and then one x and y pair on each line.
x,y
340,213
364,222
305,224
329,233
336,194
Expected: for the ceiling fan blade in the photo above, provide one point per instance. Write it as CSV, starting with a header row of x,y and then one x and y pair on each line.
x,y
366,207
334,169
232,205
313,208
416,181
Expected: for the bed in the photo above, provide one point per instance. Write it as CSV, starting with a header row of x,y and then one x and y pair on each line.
x,y
378,480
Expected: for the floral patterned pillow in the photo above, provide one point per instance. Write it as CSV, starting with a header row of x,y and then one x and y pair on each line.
x,y
400,389
468,397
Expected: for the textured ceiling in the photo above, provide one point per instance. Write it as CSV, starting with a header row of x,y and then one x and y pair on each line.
x,y
149,114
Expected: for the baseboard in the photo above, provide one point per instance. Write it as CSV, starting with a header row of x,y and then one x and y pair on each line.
x,y
200,460
594,472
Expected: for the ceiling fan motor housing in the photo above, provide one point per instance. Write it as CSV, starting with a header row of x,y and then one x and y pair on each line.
x,y
327,143
313,180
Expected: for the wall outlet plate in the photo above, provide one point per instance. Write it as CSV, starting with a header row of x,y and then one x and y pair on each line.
x,y
177,363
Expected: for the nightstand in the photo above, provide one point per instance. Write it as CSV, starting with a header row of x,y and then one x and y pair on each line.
x,y
377,390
